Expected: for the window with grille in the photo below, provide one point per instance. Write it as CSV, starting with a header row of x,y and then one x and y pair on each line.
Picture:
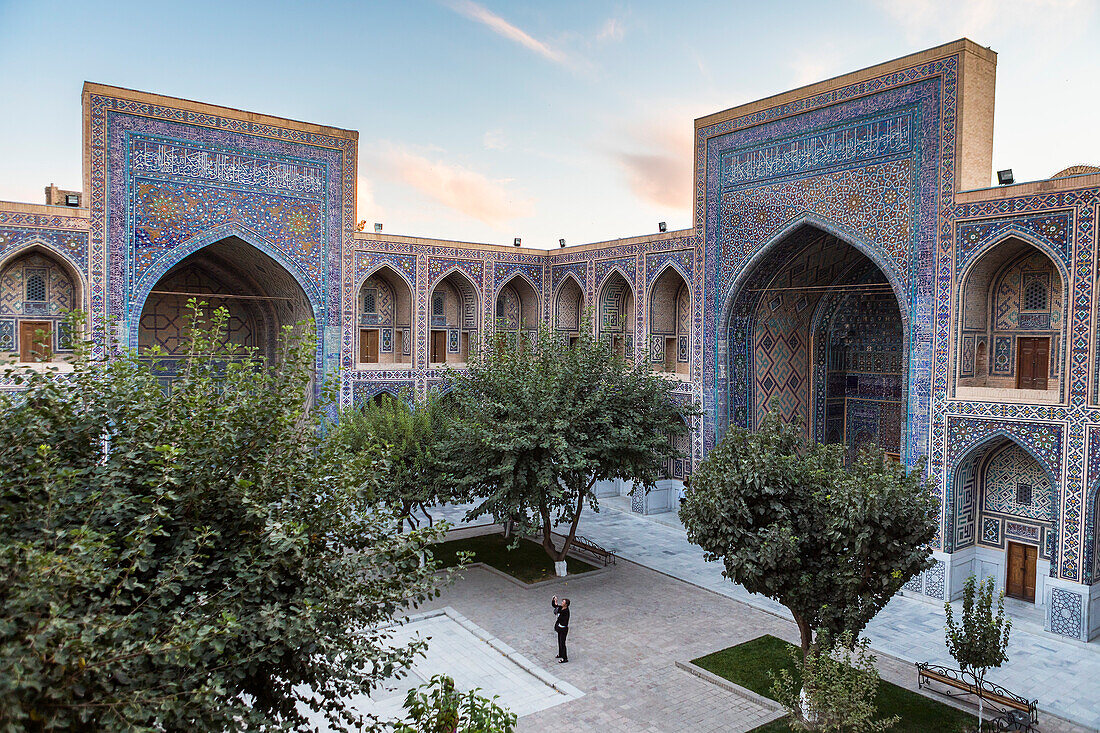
x,y
1023,494
370,304
500,308
437,304
1035,296
36,287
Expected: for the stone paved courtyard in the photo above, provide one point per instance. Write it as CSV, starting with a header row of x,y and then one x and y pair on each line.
x,y
633,624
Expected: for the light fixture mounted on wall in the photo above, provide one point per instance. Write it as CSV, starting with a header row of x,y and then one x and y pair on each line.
x,y
662,226
517,242
378,226
1005,177
561,242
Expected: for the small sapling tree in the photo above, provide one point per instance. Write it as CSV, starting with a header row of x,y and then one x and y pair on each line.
x,y
979,640
535,426
437,707
833,543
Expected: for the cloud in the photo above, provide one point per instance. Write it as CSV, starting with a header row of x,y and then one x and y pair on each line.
x,y
612,30
458,188
979,19
366,206
501,27
659,167
494,140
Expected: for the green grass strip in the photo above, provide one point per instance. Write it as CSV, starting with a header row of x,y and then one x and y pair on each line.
x,y
527,562
751,663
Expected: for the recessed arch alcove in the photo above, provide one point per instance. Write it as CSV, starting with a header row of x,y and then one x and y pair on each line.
x,y
568,308
38,287
384,310
1010,332
517,310
454,309
815,330
615,324
260,294
670,323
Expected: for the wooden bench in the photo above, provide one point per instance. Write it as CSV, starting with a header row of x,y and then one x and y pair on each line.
x,y
590,548
994,694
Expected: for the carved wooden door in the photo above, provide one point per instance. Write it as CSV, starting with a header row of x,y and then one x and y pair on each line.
x,y
1033,362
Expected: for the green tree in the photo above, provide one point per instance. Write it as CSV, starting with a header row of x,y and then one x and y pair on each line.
x,y
836,690
832,543
406,435
979,641
437,707
198,558
535,426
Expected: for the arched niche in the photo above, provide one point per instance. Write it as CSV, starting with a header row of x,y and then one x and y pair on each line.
x,y
1004,518
670,323
814,329
616,317
1011,326
517,311
384,315
37,289
261,296
453,312
568,308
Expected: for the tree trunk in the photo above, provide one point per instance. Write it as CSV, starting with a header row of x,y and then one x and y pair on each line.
x,y
805,632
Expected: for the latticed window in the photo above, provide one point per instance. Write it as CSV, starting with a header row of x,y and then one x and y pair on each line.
x,y
1035,296
370,304
437,304
500,307
1023,494
36,287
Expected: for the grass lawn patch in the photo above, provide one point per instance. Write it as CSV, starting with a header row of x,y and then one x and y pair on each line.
x,y
751,663
527,562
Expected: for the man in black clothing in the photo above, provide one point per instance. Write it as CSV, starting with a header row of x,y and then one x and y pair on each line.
x,y
561,625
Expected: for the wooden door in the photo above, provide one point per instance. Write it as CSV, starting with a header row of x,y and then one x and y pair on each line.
x,y
1021,571
438,347
368,346
1033,362
34,346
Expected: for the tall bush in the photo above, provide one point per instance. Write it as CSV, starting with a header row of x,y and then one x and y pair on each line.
x,y
192,558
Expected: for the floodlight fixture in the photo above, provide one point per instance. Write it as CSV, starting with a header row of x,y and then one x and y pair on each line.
x,y
561,242
378,226
1005,177
662,226
517,242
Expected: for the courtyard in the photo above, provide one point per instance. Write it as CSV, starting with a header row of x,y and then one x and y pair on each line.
x,y
665,605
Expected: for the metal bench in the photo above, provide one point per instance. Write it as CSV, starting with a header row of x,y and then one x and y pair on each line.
x,y
588,547
1000,698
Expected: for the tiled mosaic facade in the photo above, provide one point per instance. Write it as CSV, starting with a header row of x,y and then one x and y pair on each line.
x,y
837,242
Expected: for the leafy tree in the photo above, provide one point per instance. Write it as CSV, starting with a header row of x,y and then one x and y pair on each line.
x,y
836,690
979,641
436,707
406,436
193,559
536,426
830,542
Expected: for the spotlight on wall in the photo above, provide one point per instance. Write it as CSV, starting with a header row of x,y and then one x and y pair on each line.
x,y
561,242
1005,177
662,226
517,242
377,226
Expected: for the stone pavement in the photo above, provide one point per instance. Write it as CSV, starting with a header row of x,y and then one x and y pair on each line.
x,y
1063,675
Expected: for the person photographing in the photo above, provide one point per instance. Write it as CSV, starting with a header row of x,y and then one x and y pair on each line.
x,y
561,625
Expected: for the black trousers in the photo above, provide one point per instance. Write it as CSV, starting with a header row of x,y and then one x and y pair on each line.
x,y
561,643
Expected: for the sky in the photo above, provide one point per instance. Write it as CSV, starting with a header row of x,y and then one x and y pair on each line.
x,y
484,121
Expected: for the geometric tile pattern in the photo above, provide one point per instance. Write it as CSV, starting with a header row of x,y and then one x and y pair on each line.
x,y
1065,613
1006,470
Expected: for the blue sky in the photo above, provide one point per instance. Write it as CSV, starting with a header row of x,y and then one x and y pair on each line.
x,y
481,121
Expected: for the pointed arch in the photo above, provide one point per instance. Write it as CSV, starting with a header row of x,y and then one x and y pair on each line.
x,y
454,317
567,315
669,303
39,286
529,304
384,310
